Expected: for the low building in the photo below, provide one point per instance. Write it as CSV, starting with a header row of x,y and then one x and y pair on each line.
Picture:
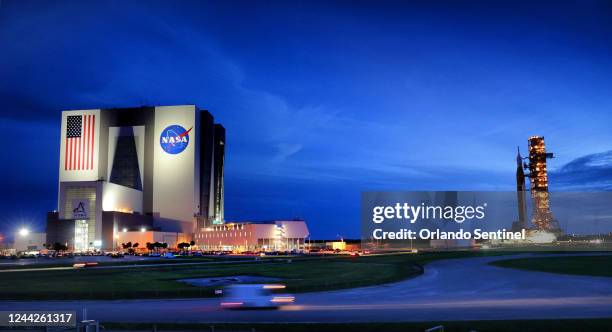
x,y
274,235
342,245
26,241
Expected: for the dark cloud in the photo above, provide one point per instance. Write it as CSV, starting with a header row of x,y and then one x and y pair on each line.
x,y
592,172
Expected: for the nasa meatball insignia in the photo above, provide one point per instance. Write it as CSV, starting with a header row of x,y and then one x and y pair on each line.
x,y
174,139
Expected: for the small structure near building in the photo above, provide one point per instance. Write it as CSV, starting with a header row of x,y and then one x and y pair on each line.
x,y
341,245
27,241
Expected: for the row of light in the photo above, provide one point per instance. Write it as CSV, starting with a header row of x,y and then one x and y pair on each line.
x,y
142,229
25,232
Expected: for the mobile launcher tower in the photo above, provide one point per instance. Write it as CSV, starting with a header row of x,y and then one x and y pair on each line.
x,y
545,226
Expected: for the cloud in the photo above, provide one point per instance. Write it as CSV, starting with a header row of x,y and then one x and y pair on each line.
x,y
592,172
286,150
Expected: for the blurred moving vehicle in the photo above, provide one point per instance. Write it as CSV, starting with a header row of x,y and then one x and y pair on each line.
x,y
254,296
86,264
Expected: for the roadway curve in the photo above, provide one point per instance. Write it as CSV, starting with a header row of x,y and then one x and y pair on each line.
x,y
454,289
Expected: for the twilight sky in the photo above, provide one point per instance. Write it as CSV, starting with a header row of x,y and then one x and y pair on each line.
x,y
321,100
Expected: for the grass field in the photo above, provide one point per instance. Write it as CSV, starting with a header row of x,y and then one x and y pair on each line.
x,y
579,265
558,325
301,275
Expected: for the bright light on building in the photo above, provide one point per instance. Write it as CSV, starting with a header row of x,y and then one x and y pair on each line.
x,y
24,232
143,229
124,230
97,243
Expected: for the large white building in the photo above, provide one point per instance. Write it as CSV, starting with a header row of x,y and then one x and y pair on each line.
x,y
146,168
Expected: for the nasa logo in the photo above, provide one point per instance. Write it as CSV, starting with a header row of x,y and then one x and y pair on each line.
x,y
174,139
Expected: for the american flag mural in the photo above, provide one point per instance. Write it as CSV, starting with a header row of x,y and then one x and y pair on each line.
x,y
79,145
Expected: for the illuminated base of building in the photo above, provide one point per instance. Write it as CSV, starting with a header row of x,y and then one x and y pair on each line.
x,y
540,236
532,236
117,228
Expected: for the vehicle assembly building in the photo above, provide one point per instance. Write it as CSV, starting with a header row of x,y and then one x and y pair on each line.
x,y
150,174
145,169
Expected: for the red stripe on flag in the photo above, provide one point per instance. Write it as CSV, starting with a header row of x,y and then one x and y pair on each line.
x,y
89,152
93,137
87,141
85,153
82,161
70,154
79,156
76,155
87,137
66,155
81,164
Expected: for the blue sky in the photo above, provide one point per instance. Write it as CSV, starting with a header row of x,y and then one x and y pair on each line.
x,y
321,100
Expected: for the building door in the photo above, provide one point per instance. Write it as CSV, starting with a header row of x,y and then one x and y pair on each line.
x,y
81,242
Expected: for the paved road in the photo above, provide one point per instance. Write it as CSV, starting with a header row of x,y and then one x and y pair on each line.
x,y
175,262
457,289
9,263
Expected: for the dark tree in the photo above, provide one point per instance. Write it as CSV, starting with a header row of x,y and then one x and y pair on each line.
x,y
59,247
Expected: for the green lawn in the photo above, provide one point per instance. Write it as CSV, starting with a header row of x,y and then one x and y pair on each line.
x,y
558,325
301,275
580,265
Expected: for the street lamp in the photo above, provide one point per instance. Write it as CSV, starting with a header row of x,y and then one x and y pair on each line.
x,y
24,232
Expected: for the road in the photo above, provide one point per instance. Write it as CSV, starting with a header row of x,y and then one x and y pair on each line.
x,y
455,289
10,263
126,265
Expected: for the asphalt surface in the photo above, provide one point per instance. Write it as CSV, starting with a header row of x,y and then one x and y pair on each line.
x,y
126,265
70,260
456,289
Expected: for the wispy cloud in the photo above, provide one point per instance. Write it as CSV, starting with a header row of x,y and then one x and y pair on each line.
x,y
592,172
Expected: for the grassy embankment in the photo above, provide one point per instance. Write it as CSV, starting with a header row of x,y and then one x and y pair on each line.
x,y
301,275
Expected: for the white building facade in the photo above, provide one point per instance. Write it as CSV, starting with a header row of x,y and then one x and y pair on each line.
x,y
161,162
